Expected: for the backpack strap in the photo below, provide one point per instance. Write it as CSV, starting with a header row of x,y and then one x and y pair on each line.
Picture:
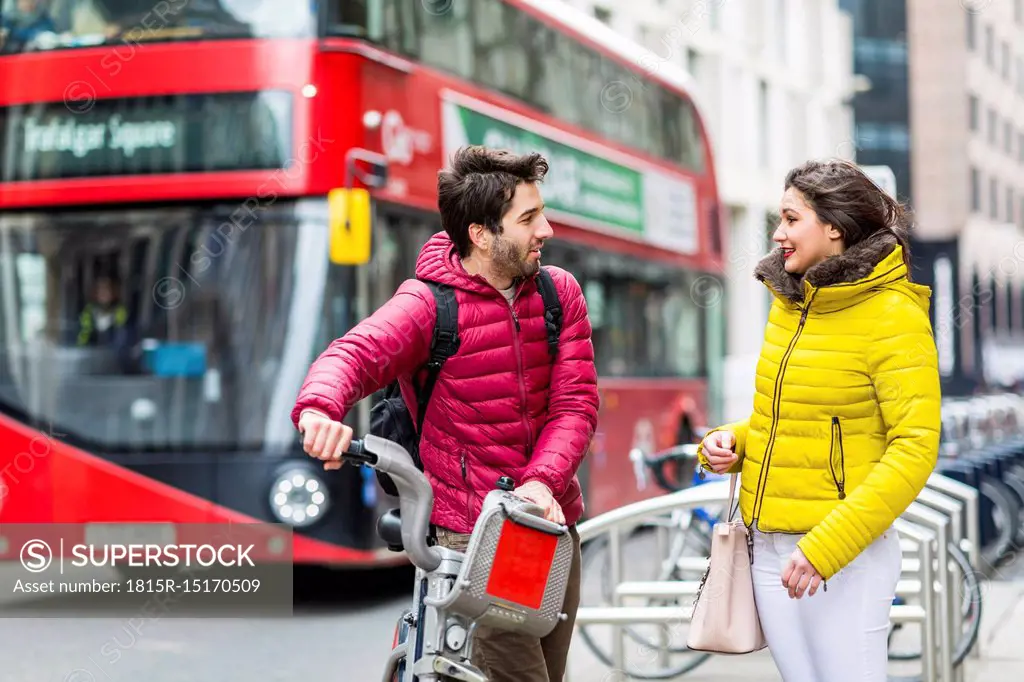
x,y
552,309
444,344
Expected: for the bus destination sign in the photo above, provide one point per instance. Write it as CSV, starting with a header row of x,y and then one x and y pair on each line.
x,y
148,135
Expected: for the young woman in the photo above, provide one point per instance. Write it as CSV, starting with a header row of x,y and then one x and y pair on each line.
x,y
845,427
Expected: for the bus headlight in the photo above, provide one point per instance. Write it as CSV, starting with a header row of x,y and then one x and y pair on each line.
x,y
299,497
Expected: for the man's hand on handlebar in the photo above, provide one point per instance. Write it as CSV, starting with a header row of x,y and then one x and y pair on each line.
x,y
718,448
540,495
324,438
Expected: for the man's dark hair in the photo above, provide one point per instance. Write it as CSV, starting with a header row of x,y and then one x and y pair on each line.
x,y
478,187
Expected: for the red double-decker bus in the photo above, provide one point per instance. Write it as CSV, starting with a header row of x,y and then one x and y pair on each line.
x,y
165,228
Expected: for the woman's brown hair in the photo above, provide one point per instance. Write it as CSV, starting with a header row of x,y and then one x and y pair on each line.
x,y
843,196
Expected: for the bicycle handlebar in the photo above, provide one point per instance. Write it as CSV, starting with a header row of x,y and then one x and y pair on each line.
x,y
678,453
415,496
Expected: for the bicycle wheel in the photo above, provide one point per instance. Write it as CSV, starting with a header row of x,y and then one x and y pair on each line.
x,y
969,593
649,642
1015,482
1006,518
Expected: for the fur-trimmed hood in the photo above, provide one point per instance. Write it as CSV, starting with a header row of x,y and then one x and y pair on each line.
x,y
876,261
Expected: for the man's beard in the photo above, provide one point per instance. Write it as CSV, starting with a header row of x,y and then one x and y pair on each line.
x,y
509,260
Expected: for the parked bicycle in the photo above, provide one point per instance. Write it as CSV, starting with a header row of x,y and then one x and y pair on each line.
x,y
512,576
682,542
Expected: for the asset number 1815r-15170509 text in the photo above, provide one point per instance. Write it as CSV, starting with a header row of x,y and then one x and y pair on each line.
x,y
193,585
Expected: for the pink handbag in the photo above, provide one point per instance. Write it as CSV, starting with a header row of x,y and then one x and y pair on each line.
x,y
725,619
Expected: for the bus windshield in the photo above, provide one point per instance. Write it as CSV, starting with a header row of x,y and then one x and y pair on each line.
x,y
33,25
172,329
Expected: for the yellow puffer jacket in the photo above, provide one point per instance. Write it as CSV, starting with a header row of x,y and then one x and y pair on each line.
x,y
845,427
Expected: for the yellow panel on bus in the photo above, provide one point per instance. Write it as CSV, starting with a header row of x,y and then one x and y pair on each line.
x,y
350,225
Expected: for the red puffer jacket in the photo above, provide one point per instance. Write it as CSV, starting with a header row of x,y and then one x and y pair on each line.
x,y
500,406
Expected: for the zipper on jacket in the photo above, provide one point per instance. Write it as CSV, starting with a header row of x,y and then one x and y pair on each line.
x,y
762,479
518,350
463,464
838,473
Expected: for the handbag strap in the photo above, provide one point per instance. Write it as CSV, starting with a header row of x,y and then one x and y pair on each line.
x,y
732,496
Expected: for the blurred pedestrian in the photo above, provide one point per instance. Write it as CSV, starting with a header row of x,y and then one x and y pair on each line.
x,y
845,427
501,406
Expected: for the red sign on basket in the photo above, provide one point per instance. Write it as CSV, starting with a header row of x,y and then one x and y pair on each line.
x,y
522,564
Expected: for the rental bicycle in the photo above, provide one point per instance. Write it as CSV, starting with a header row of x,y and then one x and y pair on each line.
x,y
512,576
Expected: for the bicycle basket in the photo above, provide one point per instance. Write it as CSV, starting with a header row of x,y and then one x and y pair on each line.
x,y
514,576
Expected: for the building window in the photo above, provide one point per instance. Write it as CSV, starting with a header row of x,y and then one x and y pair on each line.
x,y
763,125
993,199
1008,137
1020,213
990,47
975,190
993,128
972,112
1009,204
1018,11
1006,61
971,30
780,25
876,50
714,18
1020,76
893,137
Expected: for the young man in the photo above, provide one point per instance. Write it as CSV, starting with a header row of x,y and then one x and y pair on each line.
x,y
501,406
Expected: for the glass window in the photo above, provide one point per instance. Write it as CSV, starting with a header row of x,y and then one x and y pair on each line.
x,y
500,59
645,320
993,198
972,111
993,127
31,25
763,126
397,29
971,30
975,190
1006,61
1010,204
990,46
500,47
1008,136
446,41
166,329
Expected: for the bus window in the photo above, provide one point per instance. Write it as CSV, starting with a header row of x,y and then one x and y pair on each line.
x,y
164,328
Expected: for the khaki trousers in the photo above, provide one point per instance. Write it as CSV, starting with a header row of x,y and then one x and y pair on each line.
x,y
512,657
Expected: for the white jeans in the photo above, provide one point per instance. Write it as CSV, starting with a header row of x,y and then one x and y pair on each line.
x,y
835,636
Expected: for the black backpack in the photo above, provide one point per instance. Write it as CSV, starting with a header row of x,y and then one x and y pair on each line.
x,y
390,417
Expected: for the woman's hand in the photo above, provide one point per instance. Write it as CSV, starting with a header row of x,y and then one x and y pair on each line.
x,y
799,574
718,448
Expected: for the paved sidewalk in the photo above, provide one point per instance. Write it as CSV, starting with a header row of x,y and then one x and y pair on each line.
x,y
1001,647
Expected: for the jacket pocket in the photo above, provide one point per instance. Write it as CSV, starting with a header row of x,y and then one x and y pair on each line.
x,y
837,458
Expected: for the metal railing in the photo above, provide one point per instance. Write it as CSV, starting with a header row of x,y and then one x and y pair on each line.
x,y
945,515
967,521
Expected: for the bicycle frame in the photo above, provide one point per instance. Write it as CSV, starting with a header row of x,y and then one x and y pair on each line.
x,y
437,642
